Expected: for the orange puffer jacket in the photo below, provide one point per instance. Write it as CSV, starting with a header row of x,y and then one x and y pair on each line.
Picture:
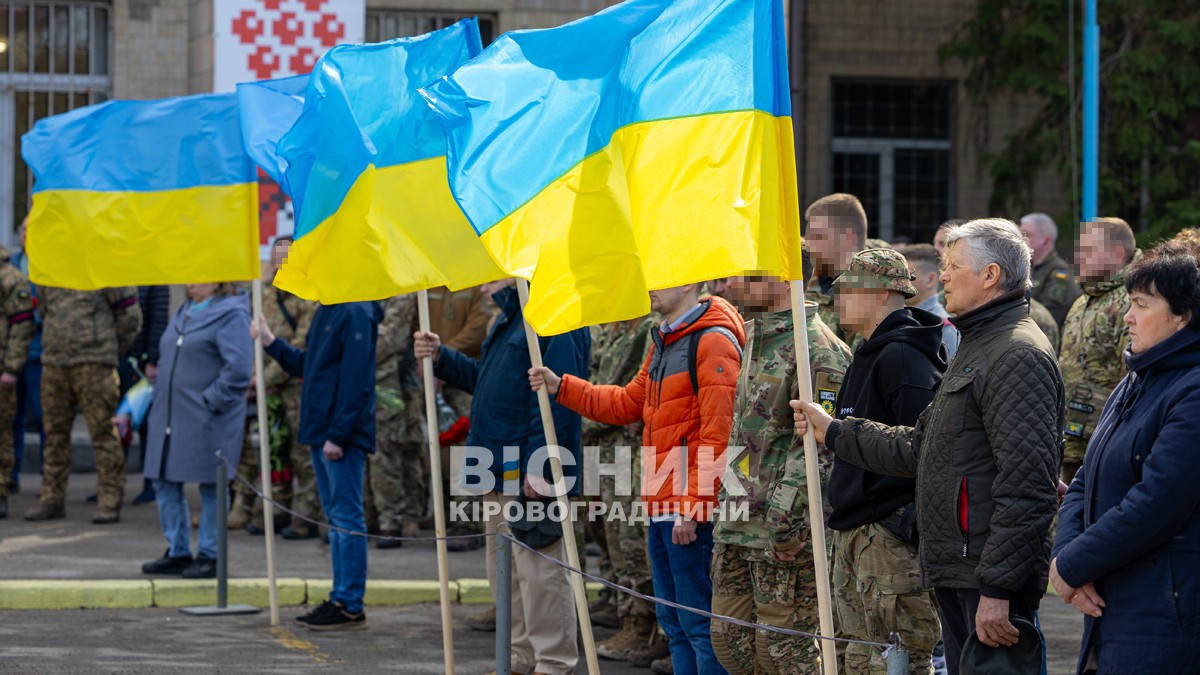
x,y
679,422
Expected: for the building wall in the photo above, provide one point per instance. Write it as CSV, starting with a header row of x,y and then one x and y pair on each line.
x,y
513,14
150,48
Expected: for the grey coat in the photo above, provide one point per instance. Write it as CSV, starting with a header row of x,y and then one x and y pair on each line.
x,y
205,363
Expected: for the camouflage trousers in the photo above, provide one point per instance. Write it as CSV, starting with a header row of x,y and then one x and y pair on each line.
x,y
752,585
877,591
287,454
1073,451
94,389
8,410
625,541
397,486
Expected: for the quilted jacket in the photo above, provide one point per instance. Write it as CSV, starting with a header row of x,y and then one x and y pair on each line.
x,y
985,454
677,419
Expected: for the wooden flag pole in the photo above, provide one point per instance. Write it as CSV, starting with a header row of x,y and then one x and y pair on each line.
x,y
435,471
816,509
581,604
264,454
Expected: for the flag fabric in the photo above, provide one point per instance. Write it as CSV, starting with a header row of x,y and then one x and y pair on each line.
x,y
645,147
366,167
267,110
142,193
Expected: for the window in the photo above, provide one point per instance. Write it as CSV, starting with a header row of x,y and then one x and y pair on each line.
x,y
54,57
891,148
388,24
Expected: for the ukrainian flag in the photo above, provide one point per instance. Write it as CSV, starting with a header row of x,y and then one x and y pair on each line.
x,y
142,192
366,167
267,110
645,147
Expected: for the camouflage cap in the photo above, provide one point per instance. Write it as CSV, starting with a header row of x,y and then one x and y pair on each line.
x,y
879,268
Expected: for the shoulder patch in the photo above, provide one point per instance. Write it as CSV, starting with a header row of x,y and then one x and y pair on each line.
x,y
827,397
1060,275
23,295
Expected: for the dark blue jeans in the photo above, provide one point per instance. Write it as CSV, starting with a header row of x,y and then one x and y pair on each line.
x,y
29,413
680,574
340,486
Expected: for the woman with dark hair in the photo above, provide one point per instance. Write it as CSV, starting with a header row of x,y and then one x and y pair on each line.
x,y
199,408
1127,552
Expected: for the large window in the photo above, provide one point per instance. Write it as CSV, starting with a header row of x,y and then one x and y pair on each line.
x,y
891,148
387,24
54,57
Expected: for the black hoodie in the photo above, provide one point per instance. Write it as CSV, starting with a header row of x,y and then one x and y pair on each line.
x,y
890,381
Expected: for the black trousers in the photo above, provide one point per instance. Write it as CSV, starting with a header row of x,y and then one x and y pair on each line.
x,y
957,608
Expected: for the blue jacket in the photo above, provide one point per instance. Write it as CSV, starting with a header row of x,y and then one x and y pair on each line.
x,y
504,410
337,399
1131,521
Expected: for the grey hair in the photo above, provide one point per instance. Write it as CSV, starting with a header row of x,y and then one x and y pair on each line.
x,y
996,240
1044,224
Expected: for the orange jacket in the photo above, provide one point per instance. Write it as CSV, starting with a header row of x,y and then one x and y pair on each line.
x,y
661,395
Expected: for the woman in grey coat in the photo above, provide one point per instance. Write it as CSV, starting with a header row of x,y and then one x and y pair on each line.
x,y
205,363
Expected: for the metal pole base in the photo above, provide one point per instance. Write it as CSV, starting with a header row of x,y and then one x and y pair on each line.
x,y
221,611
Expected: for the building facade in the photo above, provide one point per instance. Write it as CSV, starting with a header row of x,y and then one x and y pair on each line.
x,y
876,113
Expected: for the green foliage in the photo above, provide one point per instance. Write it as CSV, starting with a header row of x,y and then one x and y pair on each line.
x,y
1149,105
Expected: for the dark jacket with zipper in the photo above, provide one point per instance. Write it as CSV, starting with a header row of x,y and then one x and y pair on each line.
x,y
890,381
985,453
337,399
1130,523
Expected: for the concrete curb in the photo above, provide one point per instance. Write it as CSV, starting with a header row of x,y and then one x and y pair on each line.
x,y
48,594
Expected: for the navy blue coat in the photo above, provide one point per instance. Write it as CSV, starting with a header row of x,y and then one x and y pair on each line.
x,y
1131,521
504,410
337,399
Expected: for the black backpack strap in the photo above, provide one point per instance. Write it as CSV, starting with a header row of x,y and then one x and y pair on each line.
x,y
694,347
287,316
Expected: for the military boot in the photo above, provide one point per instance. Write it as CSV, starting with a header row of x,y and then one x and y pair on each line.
x,y
239,512
634,634
46,512
654,651
484,621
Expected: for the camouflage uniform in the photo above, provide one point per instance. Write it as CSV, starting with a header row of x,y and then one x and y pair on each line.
x,y
399,468
826,307
618,350
16,332
84,333
289,318
1045,320
1054,286
749,581
1094,338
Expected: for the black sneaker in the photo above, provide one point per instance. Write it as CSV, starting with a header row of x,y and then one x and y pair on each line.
x,y
317,611
337,618
203,568
4,506
168,564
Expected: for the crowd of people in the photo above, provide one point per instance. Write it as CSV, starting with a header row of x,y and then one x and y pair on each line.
x,y
991,419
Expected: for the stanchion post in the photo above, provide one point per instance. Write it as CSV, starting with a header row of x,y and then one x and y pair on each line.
x,y
504,604
222,534
897,662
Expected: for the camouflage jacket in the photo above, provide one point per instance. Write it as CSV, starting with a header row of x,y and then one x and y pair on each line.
x,y
1094,338
618,351
395,364
1045,321
16,325
1054,286
81,327
825,307
766,455
281,310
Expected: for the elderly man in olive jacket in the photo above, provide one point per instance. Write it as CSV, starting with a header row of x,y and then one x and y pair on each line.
x,y
985,452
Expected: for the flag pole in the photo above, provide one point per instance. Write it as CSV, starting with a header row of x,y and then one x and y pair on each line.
x,y
435,470
581,604
816,509
264,453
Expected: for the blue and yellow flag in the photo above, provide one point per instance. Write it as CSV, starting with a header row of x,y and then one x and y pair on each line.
x,y
645,147
267,110
366,168
142,192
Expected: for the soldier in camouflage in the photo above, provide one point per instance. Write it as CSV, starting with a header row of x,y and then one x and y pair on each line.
x,y
876,581
836,230
399,470
1053,283
762,568
618,350
1045,321
16,332
1095,335
84,333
